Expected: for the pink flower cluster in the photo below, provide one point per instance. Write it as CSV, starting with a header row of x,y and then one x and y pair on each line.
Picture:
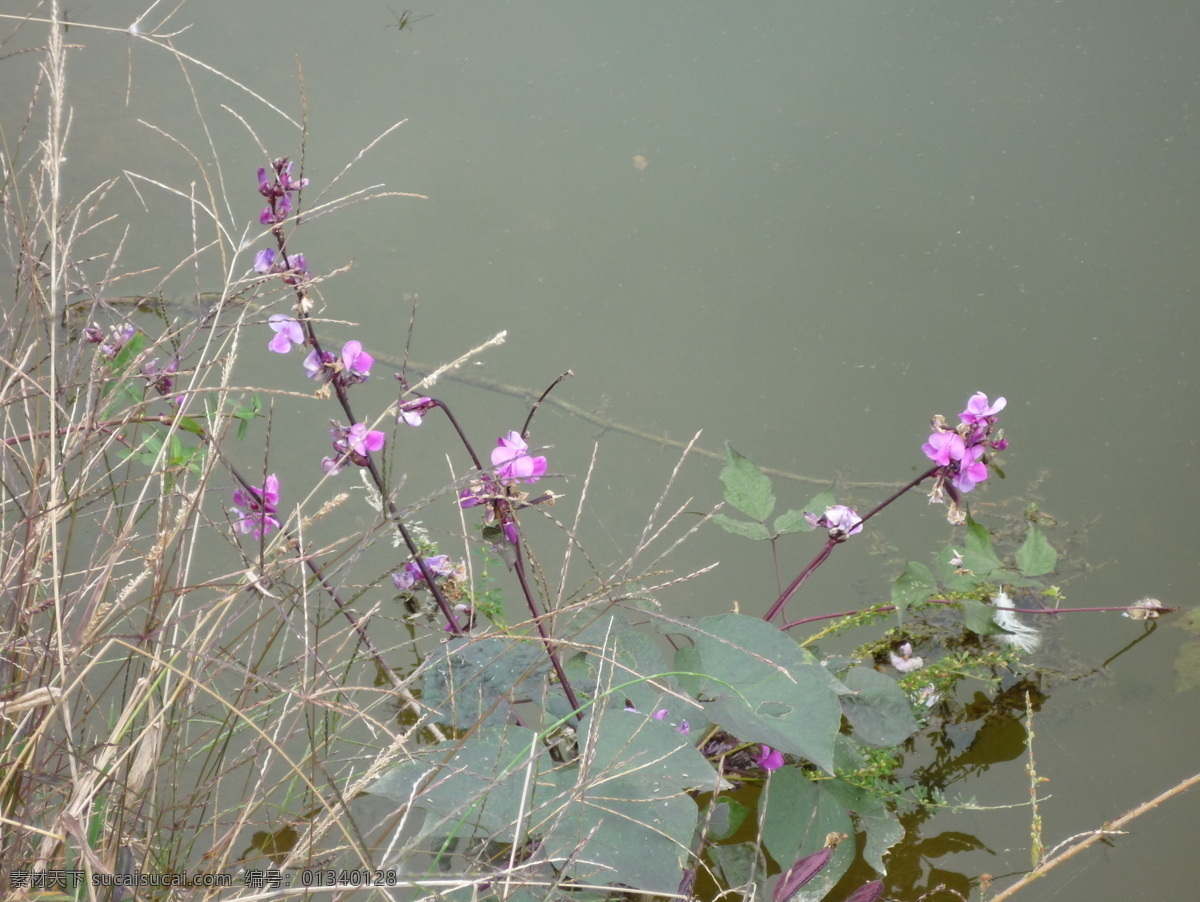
x,y
960,453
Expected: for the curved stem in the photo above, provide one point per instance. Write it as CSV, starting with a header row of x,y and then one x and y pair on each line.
x,y
795,584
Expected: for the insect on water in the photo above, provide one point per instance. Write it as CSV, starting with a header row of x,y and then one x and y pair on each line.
x,y
404,20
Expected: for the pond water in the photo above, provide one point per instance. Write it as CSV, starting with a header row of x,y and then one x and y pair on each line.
x,y
802,228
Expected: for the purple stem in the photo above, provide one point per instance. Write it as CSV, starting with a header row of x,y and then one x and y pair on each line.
x,y
824,553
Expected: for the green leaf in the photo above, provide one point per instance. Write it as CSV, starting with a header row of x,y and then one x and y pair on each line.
x,y
948,578
746,488
628,819
1036,557
471,681
979,556
978,617
765,688
480,783
821,501
792,521
798,815
190,425
913,586
879,711
755,531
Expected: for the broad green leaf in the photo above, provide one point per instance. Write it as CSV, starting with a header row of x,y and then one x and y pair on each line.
x,y
474,786
792,521
979,556
913,586
616,830
636,745
798,815
742,865
469,681
948,578
749,530
978,617
1036,557
765,688
879,711
746,488
882,826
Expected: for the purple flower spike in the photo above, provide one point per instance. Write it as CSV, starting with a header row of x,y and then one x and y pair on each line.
x,y
511,459
277,186
960,453
769,759
288,332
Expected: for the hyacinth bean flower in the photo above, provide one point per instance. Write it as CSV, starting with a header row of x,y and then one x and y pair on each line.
x,y
356,363
904,660
959,453
979,410
287,331
277,185
353,444
254,510
513,464
294,267
769,759
412,412
841,521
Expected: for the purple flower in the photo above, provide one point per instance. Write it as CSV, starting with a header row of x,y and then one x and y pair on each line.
x,y
904,660
439,565
944,447
511,459
363,440
769,759
356,363
841,521
117,339
316,365
971,470
288,332
277,186
260,506
269,262
352,443
960,453
162,380
978,410
264,260
411,412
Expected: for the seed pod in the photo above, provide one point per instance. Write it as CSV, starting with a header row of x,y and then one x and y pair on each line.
x,y
799,874
868,892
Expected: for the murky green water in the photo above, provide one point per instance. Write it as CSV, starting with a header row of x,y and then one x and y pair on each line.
x,y
802,227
